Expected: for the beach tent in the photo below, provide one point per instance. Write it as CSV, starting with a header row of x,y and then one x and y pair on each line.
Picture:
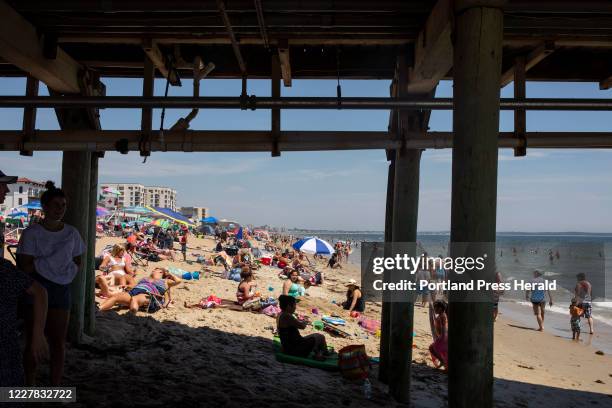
x,y
101,212
32,205
210,220
207,230
313,245
170,215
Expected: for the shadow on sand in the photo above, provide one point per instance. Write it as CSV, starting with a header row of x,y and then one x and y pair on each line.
x,y
141,361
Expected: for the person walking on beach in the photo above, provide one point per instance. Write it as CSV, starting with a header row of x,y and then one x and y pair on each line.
x,y
13,285
538,298
50,252
582,293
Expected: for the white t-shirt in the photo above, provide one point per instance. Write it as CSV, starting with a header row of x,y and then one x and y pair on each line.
x,y
53,252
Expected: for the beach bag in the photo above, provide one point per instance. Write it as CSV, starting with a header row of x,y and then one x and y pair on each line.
x,y
252,304
154,257
353,362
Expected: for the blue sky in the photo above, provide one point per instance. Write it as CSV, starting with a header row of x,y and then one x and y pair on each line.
x,y
549,190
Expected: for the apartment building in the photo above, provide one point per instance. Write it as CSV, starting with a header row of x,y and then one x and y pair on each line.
x,y
133,194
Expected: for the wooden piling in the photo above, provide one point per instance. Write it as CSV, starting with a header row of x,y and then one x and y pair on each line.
x,y
476,72
385,329
76,175
90,272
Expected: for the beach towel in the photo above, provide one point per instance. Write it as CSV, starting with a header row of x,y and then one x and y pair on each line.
x,y
334,320
369,325
271,311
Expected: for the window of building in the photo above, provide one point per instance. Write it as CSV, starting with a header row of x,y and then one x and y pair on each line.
x,y
20,201
20,190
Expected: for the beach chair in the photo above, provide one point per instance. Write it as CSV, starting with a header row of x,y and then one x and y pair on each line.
x,y
12,249
140,258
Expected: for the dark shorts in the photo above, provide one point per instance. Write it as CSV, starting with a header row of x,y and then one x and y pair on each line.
x,y
183,248
58,296
154,304
304,348
537,306
586,309
575,325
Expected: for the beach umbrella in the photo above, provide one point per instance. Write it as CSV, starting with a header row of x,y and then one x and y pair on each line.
x,y
145,219
210,220
161,223
170,215
110,190
137,210
101,212
17,214
313,245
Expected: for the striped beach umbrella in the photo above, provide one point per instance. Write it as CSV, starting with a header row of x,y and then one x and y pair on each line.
x,y
313,245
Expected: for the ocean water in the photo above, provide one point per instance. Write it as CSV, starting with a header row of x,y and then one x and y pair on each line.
x,y
518,255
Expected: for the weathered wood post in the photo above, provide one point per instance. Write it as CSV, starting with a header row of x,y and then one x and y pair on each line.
x,y
275,114
405,215
90,281
76,176
477,71
383,368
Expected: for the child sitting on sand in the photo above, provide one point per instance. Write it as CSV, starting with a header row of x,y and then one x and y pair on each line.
x,y
289,332
439,348
575,313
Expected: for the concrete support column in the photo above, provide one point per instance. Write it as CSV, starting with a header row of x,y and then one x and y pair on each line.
x,y
476,71
385,327
76,176
90,272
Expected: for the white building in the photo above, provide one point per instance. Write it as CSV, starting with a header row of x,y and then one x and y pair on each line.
x,y
133,194
195,213
21,193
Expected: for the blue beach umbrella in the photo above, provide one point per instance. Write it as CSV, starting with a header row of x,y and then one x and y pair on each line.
x,y
17,214
313,245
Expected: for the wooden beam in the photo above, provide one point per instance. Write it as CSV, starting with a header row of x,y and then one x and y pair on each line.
x,y
259,141
21,46
605,83
532,59
283,55
275,113
29,114
520,116
433,50
155,55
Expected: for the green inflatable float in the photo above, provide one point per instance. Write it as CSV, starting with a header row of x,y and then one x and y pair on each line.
x,y
330,363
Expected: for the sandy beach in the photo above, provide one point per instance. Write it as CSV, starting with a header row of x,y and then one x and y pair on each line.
x,y
220,357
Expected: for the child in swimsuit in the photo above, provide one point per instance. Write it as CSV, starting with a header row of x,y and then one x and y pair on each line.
x,y
289,332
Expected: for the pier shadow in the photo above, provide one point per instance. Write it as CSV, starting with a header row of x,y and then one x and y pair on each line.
x,y
142,361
